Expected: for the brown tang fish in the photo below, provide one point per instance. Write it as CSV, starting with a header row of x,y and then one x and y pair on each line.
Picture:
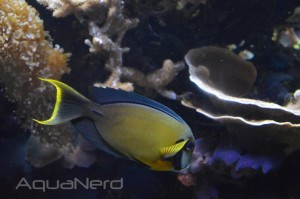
x,y
125,124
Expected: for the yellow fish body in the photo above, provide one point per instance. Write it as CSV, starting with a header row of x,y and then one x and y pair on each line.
x,y
125,124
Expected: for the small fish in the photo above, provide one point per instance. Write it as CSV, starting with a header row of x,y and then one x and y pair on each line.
x,y
126,125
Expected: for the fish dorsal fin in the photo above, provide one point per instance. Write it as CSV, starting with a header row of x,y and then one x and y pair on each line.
x,y
170,151
87,129
109,95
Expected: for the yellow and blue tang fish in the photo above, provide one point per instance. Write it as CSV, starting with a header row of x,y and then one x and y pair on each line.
x,y
125,124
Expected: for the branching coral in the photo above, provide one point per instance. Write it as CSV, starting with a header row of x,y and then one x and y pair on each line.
x,y
117,25
157,80
107,26
106,21
25,55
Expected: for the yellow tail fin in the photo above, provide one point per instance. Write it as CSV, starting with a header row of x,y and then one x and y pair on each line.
x,y
69,104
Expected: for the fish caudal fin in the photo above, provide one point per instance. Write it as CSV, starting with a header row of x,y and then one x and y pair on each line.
x,y
68,106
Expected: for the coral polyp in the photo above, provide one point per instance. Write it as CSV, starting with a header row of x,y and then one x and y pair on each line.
x,y
27,52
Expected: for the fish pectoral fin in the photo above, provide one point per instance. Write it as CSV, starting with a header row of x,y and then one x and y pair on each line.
x,y
69,104
171,151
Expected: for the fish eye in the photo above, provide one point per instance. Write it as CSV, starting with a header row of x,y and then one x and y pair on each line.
x,y
189,146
